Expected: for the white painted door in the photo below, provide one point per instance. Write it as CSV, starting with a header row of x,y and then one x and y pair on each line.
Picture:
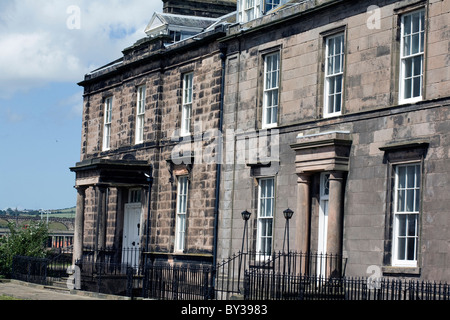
x,y
131,234
323,222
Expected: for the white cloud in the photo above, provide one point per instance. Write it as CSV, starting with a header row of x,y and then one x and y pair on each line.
x,y
12,117
38,47
73,105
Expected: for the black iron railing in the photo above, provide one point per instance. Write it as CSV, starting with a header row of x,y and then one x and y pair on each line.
x,y
30,269
177,282
59,260
271,286
229,276
249,275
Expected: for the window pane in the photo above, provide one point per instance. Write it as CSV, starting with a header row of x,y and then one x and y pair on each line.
x,y
417,87
416,22
422,26
274,114
417,201
337,107
417,69
412,227
417,176
406,45
415,43
401,220
275,79
401,201
331,47
408,68
269,184
407,24
411,247
331,104
401,249
410,172
269,207
331,86
408,92
330,66
338,64
268,80
181,228
338,84
269,98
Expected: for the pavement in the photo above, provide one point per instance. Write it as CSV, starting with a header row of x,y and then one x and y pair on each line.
x,y
28,291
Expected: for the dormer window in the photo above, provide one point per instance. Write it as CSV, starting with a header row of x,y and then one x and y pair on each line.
x,y
178,27
249,10
252,9
271,4
176,35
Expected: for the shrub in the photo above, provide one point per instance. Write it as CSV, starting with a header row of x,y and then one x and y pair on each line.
x,y
28,240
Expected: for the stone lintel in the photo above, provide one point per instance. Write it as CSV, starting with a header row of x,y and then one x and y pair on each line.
x,y
118,173
327,151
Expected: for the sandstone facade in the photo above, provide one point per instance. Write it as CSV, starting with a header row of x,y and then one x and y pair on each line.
x,y
345,155
380,132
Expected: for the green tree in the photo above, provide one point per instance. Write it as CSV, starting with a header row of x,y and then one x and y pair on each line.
x,y
28,240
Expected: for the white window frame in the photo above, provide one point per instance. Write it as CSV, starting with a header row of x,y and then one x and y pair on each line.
x,y
249,10
270,5
334,78
410,59
271,90
182,203
266,209
186,109
107,124
140,114
402,240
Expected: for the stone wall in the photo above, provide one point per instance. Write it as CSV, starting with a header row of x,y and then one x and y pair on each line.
x,y
162,76
371,115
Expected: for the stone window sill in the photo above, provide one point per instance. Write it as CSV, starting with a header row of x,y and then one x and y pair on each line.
x,y
398,271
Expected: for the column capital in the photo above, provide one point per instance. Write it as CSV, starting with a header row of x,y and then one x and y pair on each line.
x,y
337,175
304,178
101,187
81,189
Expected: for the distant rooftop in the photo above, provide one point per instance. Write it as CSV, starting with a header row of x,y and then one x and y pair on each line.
x,y
200,8
162,22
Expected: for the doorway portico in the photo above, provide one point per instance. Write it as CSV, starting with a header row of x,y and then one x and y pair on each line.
x,y
103,206
322,158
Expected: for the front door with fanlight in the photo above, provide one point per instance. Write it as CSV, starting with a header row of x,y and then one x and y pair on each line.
x,y
323,222
131,235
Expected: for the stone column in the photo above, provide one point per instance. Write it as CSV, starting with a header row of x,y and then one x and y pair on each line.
x,y
79,225
101,217
335,212
303,217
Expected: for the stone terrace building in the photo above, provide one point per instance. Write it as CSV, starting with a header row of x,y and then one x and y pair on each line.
x,y
338,110
141,115
355,98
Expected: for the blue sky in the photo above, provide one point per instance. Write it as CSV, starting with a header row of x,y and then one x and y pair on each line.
x,y
47,46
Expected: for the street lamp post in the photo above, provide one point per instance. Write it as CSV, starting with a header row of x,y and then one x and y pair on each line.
x,y
288,213
245,216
